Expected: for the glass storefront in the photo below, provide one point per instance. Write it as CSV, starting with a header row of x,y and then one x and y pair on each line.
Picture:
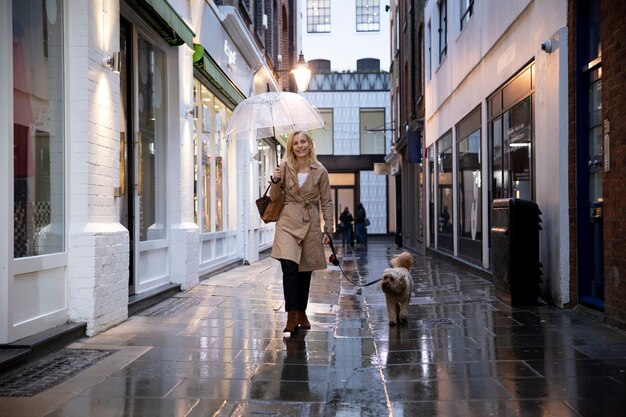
x,y
211,118
445,206
152,150
38,135
431,196
469,175
267,158
511,138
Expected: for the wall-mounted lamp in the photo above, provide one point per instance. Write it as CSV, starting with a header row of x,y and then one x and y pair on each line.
x,y
193,112
114,62
301,73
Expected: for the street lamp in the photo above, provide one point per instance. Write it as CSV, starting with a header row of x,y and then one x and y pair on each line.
x,y
301,73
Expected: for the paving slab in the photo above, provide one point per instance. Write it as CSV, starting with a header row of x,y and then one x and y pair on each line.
x,y
219,350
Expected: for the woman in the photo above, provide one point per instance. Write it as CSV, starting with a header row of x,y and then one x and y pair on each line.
x,y
298,241
346,218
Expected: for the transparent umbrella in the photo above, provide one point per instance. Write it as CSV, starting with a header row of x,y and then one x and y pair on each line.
x,y
273,114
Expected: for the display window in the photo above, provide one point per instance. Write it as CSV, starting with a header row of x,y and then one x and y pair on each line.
x,y
38,134
445,204
511,138
469,174
211,154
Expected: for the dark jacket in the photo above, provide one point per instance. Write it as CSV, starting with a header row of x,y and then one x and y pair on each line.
x,y
346,218
360,214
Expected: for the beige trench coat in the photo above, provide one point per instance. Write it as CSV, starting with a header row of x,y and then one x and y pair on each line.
x,y
298,235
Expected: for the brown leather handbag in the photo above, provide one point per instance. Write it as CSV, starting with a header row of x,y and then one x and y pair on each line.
x,y
270,210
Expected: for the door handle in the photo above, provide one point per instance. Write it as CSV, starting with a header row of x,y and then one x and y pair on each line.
x,y
595,163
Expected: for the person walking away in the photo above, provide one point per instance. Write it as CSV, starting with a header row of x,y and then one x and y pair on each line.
x,y
347,219
298,240
359,225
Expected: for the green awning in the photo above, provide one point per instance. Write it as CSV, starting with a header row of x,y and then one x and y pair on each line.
x,y
218,79
162,17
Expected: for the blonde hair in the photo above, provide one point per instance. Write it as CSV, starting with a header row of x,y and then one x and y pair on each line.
x,y
290,157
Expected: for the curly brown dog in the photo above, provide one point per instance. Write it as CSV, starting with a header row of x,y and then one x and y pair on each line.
x,y
397,285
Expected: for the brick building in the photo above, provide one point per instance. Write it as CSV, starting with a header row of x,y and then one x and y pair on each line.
x,y
597,149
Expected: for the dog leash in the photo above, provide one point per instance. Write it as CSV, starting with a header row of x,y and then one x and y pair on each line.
x,y
335,261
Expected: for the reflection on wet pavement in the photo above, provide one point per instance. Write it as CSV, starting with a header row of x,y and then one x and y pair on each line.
x,y
462,353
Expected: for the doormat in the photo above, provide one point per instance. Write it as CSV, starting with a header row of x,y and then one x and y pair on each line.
x,y
46,372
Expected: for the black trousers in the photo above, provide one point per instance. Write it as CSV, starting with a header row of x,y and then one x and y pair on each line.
x,y
295,286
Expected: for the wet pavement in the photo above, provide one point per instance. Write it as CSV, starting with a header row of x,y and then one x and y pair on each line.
x,y
219,350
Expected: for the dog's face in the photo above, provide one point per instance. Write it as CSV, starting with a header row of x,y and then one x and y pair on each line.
x,y
393,282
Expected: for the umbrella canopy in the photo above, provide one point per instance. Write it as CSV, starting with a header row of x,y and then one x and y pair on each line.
x,y
274,114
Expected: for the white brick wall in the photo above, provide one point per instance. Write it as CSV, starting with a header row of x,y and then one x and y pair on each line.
x,y
98,246
185,255
98,275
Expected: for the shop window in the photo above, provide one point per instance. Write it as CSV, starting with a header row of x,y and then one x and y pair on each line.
x,y
512,152
38,135
268,155
469,174
431,196
372,124
511,138
152,150
419,202
211,117
445,206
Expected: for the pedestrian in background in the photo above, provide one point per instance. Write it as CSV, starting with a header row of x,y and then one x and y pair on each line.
x,y
359,224
298,240
346,219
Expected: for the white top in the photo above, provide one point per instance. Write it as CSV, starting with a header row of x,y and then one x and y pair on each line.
x,y
302,177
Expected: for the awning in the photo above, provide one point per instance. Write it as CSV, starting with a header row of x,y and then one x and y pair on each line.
x,y
162,17
212,72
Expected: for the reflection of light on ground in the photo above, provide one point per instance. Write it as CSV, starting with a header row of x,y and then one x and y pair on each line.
x,y
425,356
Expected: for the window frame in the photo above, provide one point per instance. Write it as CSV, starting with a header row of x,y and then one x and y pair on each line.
x,y
318,22
442,30
469,247
518,89
466,12
362,129
328,115
361,5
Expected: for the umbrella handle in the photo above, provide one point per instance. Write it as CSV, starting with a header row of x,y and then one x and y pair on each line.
x,y
277,157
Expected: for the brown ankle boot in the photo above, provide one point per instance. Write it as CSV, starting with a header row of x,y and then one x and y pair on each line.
x,y
303,320
292,322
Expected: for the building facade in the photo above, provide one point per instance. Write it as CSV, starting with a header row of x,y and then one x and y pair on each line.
x,y
347,47
495,126
119,178
407,110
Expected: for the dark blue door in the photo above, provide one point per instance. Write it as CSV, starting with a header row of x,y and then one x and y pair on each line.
x,y
589,155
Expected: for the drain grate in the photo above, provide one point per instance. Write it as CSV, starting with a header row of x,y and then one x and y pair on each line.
x,y
172,307
48,371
